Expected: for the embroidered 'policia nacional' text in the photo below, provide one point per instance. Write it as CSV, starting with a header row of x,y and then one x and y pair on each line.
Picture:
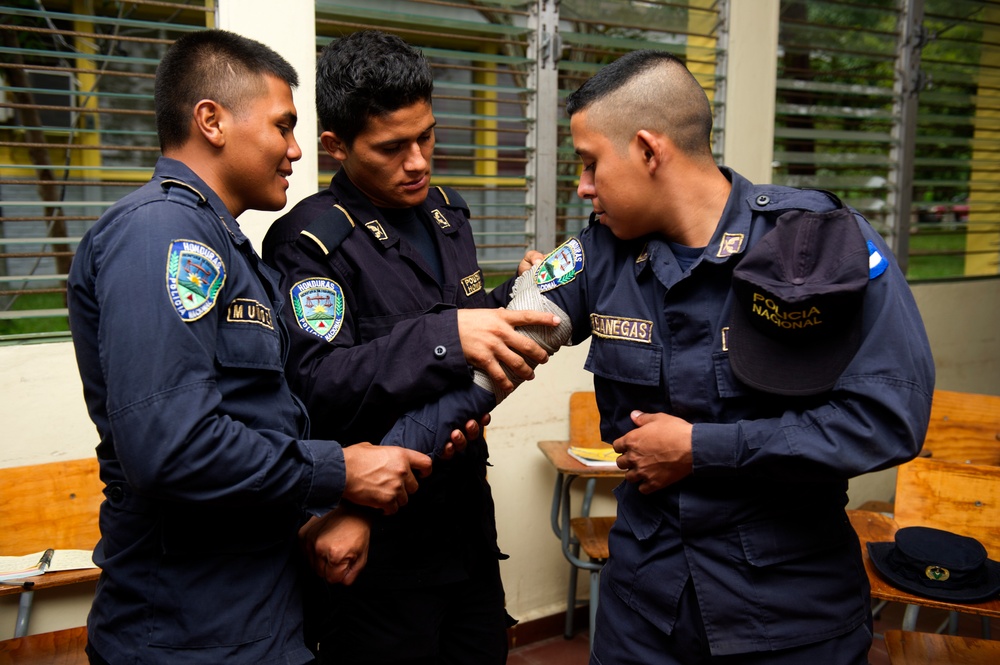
x,y
618,327
789,319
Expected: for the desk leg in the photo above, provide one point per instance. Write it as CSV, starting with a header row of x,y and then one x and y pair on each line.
x,y
23,613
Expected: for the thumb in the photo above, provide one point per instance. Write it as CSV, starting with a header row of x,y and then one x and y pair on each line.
x,y
419,462
639,418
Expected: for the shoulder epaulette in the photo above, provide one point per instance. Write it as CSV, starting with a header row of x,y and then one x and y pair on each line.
x,y
452,198
330,229
188,190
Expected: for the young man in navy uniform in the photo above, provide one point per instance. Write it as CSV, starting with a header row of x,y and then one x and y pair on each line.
x,y
204,448
753,347
387,309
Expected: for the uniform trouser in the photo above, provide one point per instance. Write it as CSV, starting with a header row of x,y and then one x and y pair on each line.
x,y
623,637
461,623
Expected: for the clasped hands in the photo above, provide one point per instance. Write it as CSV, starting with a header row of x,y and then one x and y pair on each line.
x,y
657,453
336,544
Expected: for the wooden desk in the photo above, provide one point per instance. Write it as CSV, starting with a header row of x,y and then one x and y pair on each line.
x,y
51,579
876,527
568,469
63,647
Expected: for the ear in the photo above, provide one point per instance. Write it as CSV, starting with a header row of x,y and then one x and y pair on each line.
x,y
208,122
654,148
333,145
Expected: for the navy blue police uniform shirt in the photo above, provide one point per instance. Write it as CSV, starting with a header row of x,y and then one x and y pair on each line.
x,y
375,334
759,527
202,447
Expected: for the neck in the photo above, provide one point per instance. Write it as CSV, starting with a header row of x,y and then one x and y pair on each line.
x,y
696,201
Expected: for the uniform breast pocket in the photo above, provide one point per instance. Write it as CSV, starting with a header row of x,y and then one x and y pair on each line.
x,y
729,385
248,346
627,362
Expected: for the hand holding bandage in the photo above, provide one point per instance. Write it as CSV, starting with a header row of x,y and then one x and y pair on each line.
x,y
426,429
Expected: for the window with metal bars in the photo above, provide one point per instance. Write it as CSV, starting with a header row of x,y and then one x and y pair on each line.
x,y
77,133
841,122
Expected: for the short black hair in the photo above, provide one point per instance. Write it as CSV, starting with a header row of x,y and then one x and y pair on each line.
x,y
651,90
368,74
211,64
614,76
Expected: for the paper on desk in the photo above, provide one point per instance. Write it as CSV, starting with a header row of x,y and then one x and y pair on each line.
x,y
15,567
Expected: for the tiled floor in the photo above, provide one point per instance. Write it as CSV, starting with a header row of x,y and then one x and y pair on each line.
x,y
560,651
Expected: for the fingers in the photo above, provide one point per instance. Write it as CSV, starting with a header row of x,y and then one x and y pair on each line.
x,y
382,477
419,463
528,317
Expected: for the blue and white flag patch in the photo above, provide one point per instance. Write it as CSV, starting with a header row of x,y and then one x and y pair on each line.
x,y
319,306
877,263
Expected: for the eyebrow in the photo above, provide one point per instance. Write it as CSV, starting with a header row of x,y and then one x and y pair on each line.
x,y
381,144
290,118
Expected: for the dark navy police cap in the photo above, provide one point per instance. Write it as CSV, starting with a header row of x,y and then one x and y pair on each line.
x,y
937,564
795,323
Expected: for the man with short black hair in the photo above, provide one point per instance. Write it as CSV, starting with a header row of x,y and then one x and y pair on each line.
x,y
204,448
387,308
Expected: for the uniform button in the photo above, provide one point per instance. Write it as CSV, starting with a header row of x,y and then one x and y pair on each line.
x,y
763,200
440,351
116,493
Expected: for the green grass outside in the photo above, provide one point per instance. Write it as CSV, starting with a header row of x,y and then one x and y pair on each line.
x,y
30,326
929,258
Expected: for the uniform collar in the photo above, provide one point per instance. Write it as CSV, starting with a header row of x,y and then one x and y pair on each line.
x,y
368,216
172,169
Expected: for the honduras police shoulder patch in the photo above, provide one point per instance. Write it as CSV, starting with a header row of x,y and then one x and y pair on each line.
x,y
195,275
319,306
561,266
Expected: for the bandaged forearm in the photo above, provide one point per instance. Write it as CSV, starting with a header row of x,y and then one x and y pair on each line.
x,y
428,428
526,296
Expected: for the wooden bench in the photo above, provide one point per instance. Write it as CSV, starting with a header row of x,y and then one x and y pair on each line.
x,y
964,427
53,505
912,648
62,647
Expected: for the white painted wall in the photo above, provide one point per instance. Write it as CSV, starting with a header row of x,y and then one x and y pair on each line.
x,y
289,27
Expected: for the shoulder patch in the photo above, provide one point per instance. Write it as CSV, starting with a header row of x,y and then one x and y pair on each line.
x,y
318,303
561,266
195,275
330,229
876,262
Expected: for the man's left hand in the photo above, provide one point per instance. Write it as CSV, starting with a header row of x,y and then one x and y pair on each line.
x,y
460,440
337,543
657,453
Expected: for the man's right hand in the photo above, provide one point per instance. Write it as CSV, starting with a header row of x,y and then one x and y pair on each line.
x,y
489,338
382,477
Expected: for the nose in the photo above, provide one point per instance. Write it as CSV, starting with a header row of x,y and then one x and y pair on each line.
x,y
294,152
415,158
585,188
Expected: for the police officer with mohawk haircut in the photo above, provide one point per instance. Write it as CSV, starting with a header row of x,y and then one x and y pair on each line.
x,y
753,347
